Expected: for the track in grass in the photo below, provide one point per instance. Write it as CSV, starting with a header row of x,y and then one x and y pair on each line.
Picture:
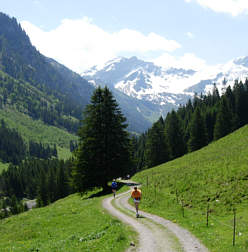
x,y
154,233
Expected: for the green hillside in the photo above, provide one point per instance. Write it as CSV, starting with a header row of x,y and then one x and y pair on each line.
x,y
38,131
70,224
214,178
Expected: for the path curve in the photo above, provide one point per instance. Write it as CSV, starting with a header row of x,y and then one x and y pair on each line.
x,y
155,234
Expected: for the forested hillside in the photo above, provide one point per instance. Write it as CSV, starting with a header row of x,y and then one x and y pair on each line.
x,y
204,119
13,148
36,85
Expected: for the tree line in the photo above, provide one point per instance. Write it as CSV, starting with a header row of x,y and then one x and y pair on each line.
x,y
202,120
13,148
43,180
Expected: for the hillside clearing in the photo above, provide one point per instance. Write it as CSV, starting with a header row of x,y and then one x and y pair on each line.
x,y
37,131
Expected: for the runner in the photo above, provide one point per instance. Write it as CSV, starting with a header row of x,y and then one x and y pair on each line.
x,y
136,195
114,187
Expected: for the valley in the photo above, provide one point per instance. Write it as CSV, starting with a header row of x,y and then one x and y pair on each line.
x,y
178,129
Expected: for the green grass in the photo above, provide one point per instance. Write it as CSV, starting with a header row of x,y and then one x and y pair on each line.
x,y
37,131
70,224
216,175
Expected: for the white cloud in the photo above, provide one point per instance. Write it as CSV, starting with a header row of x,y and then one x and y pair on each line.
x,y
187,61
190,35
80,44
233,7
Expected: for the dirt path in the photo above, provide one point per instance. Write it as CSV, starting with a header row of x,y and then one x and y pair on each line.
x,y
155,234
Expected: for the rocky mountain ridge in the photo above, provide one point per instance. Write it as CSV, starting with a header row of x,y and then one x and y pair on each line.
x,y
174,86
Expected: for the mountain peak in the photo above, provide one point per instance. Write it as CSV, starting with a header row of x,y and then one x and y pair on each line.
x,y
243,61
140,79
147,81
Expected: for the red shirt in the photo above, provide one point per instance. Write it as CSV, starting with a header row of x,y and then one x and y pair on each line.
x,y
136,194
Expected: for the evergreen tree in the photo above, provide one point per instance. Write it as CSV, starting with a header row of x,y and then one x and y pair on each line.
x,y
14,205
174,135
224,120
43,195
198,135
55,152
103,151
215,96
241,104
140,151
210,119
52,186
62,182
157,151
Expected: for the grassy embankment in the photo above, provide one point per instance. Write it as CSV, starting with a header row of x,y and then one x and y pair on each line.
x,y
37,131
70,224
215,177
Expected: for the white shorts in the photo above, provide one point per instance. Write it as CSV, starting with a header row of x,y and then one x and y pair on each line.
x,y
136,200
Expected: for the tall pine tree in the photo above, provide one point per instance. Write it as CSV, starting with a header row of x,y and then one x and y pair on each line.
x,y
198,135
103,152
157,151
224,120
174,135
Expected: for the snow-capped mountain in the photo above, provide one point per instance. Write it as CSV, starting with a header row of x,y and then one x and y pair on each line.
x,y
146,81
146,91
142,80
222,75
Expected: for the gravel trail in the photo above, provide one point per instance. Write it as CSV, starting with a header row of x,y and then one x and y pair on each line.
x,y
155,234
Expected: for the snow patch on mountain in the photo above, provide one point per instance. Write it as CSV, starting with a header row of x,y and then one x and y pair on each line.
x,y
222,75
149,82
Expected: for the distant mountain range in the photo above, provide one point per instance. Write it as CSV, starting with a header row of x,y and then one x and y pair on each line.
x,y
143,90
164,87
44,89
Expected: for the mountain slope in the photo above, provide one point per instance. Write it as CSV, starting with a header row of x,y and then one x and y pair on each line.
x,y
44,89
38,131
21,60
36,85
214,177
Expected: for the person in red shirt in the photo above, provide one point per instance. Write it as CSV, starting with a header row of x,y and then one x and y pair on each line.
x,y
136,195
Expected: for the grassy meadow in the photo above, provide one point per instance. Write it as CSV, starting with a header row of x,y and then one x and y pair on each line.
x,y
70,224
210,182
37,131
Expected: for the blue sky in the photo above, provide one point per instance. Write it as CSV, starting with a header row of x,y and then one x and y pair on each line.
x,y
179,33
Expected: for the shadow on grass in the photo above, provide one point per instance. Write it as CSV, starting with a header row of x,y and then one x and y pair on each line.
x,y
109,190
